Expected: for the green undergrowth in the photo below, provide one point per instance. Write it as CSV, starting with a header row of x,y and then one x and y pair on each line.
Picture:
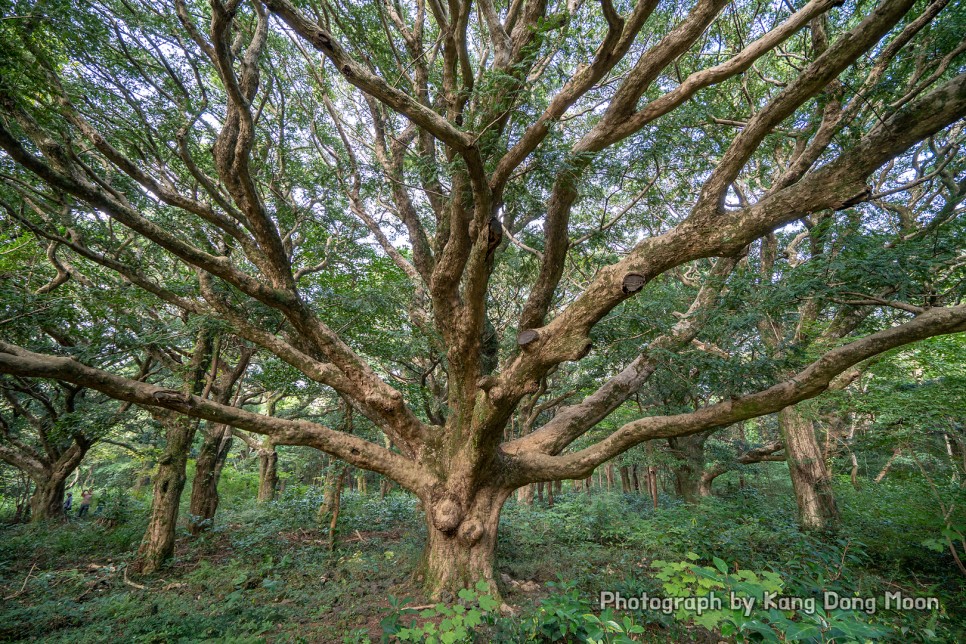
x,y
264,572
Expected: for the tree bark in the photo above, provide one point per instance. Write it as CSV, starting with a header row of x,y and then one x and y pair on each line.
x,y
652,483
689,450
810,478
204,490
267,472
625,480
525,494
885,469
157,546
47,501
461,545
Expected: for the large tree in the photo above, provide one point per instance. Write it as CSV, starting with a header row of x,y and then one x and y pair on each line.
x,y
433,208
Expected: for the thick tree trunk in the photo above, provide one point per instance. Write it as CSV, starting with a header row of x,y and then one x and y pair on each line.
x,y
157,546
626,487
689,451
267,473
47,501
461,544
525,494
204,489
810,478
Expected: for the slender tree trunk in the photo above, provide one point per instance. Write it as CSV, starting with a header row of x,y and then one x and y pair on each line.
x,y
204,489
336,506
609,471
810,478
525,494
461,545
157,546
267,473
885,469
652,483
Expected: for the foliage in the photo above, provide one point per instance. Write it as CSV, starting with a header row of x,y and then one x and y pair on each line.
x,y
442,624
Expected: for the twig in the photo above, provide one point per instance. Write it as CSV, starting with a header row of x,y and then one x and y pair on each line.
x,y
25,579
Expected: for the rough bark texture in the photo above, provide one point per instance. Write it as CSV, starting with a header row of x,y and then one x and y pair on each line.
x,y
461,545
267,473
47,501
208,466
810,478
157,545
689,450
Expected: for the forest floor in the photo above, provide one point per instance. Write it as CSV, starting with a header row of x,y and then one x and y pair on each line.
x,y
264,573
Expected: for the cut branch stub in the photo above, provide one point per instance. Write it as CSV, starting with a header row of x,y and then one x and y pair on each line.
x,y
527,337
633,282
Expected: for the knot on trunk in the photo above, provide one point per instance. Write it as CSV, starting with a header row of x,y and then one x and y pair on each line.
x,y
447,514
470,532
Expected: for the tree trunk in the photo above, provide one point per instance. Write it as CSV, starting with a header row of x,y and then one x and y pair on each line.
x,y
461,545
336,507
267,473
810,478
525,494
689,450
157,546
625,480
47,501
204,489
888,465
652,483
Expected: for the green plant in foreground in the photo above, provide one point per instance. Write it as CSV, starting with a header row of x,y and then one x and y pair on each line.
x,y
752,606
565,616
442,624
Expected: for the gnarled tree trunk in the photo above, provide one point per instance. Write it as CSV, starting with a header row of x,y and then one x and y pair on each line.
x,y
47,501
157,545
461,544
810,478
204,489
